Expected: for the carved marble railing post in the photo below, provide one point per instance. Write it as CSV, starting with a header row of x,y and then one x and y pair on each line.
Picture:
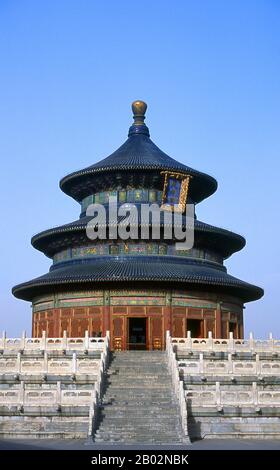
x,y
189,340
231,343
91,416
74,363
64,340
183,409
218,396
19,362
107,348
230,364
271,341
255,394
201,363
45,371
23,336
4,339
251,341
44,340
21,394
86,341
210,340
258,365
58,393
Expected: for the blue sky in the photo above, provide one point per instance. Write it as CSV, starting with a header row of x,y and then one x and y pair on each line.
x,y
209,71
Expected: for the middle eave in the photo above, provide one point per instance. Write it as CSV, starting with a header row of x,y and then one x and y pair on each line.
x,y
73,234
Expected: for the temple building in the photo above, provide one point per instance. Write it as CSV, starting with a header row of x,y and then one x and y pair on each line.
x,y
137,288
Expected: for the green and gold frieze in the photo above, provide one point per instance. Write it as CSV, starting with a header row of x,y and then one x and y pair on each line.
x,y
132,248
131,195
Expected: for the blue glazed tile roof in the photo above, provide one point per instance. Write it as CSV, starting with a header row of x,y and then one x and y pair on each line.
x,y
140,153
225,241
145,269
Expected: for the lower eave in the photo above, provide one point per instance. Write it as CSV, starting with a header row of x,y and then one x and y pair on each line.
x,y
127,271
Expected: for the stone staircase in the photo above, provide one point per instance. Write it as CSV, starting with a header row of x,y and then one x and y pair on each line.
x,y
139,405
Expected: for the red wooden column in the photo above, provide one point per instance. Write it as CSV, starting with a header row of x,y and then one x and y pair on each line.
x,y
167,315
106,312
218,321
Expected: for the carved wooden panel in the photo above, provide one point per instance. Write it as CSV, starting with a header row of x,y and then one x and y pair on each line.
x,y
179,310
120,310
178,326
42,326
195,313
210,326
137,310
66,312
78,312
224,329
94,310
154,310
50,329
240,331
79,326
96,325
156,338
118,341
64,326
208,313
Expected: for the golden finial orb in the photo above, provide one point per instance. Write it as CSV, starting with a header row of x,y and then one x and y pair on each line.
x,y
139,109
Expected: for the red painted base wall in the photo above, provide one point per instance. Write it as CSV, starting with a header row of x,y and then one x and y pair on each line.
x,y
97,320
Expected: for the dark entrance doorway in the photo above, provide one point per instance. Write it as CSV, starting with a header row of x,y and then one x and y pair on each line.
x,y
137,333
195,327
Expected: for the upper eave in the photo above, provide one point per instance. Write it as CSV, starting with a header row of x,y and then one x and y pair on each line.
x,y
137,154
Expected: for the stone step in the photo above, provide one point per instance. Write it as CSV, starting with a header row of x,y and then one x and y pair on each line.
x,y
139,378
149,417
141,440
120,423
116,423
137,395
143,437
137,374
155,367
148,430
124,437
129,357
135,398
138,353
140,385
169,408
140,419
165,401
154,433
136,391
159,439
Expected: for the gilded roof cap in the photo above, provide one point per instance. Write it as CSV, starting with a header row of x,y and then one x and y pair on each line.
x,y
139,127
